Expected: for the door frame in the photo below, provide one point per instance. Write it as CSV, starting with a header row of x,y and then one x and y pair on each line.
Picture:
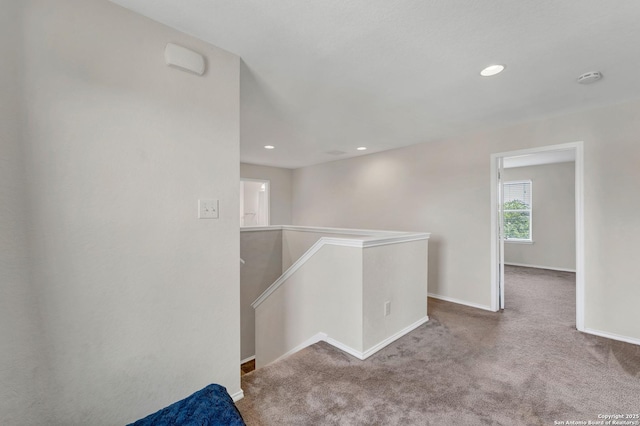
x,y
267,183
497,243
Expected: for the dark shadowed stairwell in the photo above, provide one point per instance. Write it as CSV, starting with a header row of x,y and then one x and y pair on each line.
x,y
525,366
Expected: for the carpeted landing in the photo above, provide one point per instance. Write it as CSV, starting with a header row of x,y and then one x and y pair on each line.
x,y
525,366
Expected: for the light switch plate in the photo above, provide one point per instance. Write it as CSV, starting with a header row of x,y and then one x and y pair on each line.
x,y
208,209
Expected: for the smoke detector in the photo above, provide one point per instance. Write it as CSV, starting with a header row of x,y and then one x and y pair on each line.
x,y
589,77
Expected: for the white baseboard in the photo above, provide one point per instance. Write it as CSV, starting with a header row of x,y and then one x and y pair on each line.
x,y
551,268
348,349
612,336
375,348
344,348
460,302
238,396
251,358
310,341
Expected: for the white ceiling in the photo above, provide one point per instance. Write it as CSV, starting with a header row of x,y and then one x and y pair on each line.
x,y
332,75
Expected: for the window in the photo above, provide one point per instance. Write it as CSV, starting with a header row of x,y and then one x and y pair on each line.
x,y
254,202
517,210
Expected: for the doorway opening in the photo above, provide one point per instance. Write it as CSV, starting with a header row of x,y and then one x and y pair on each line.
x,y
517,211
254,202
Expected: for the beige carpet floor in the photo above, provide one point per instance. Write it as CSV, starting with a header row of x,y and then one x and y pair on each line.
x,y
524,366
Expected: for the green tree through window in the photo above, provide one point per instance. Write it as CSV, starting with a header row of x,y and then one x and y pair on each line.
x,y
517,210
516,223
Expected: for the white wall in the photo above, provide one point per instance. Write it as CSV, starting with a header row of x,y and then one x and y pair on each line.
x,y
395,273
138,300
262,252
554,213
314,299
267,254
340,292
280,188
443,187
22,382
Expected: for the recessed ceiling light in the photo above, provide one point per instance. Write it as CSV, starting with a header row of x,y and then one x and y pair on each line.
x,y
361,148
492,70
269,147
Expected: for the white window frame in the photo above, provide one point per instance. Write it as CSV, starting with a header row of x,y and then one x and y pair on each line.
x,y
529,210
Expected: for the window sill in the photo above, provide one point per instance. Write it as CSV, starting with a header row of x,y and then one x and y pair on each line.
x,y
519,241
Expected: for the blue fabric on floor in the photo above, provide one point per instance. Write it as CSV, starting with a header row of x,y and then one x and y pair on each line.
x,y
211,406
